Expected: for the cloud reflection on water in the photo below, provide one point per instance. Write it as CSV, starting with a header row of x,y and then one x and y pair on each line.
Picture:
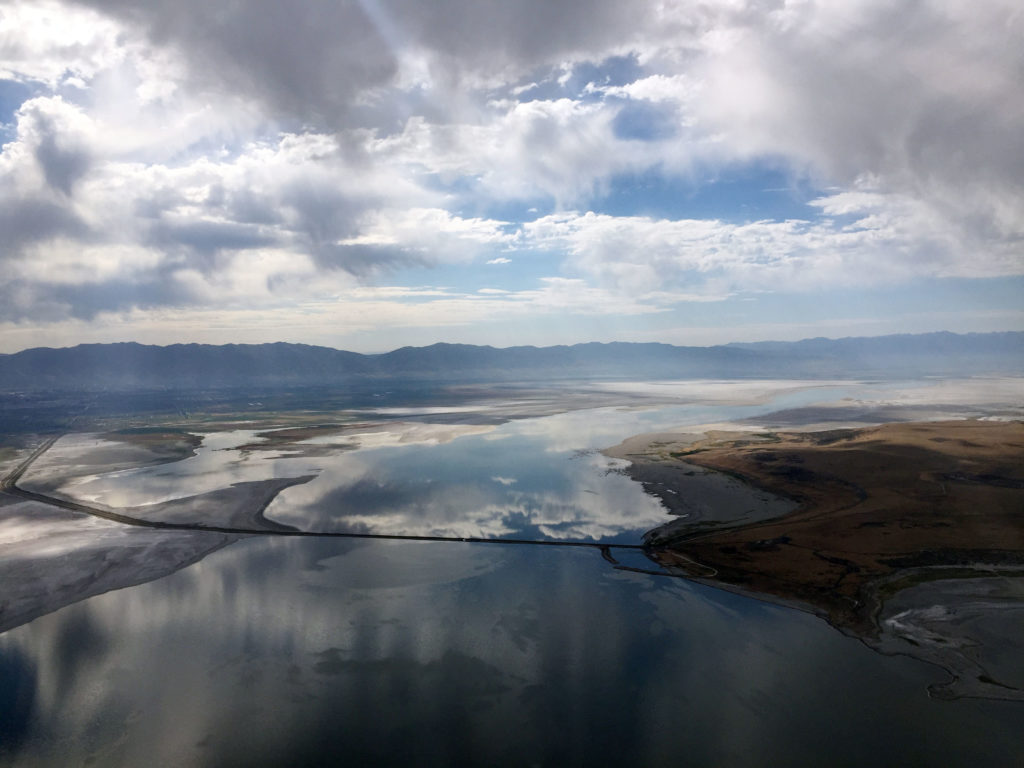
x,y
397,478
289,651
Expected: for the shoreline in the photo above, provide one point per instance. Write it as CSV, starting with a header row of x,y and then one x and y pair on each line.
x,y
878,513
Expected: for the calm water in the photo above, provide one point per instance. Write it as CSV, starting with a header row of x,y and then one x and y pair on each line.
x,y
283,652
279,651
538,478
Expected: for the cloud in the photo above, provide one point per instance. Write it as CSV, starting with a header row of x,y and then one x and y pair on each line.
x,y
915,98
198,156
875,239
38,171
245,311
429,235
556,148
54,43
309,61
318,63
277,219
655,88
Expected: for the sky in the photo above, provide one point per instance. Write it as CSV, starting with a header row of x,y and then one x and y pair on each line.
x,y
369,174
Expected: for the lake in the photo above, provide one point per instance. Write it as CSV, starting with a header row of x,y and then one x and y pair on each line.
x,y
282,650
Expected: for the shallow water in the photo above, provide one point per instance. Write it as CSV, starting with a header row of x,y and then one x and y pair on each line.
x,y
538,478
277,651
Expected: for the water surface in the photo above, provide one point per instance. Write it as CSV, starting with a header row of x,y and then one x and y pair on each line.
x,y
283,651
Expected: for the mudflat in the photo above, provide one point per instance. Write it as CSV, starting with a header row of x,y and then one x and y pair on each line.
x,y
877,509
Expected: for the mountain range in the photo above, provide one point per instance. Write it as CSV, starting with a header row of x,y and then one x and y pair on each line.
x,y
131,366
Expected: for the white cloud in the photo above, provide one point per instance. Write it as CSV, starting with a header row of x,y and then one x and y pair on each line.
x,y
432,232
564,149
55,44
67,262
923,98
887,239
656,88
188,155
285,217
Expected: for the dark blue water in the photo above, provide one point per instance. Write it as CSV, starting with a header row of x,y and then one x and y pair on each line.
x,y
286,652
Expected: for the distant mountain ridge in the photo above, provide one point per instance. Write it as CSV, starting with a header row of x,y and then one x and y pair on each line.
x,y
131,366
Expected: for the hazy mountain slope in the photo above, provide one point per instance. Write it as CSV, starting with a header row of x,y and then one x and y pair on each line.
x,y
130,366
902,354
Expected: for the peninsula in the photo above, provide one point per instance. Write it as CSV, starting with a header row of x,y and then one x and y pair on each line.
x,y
875,512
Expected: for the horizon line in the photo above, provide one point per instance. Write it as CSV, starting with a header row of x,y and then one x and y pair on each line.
x,y
513,346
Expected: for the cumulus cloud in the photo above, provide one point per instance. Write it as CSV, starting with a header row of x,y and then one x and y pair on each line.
x,y
53,43
210,156
318,61
37,173
274,219
874,239
921,99
433,232
561,149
